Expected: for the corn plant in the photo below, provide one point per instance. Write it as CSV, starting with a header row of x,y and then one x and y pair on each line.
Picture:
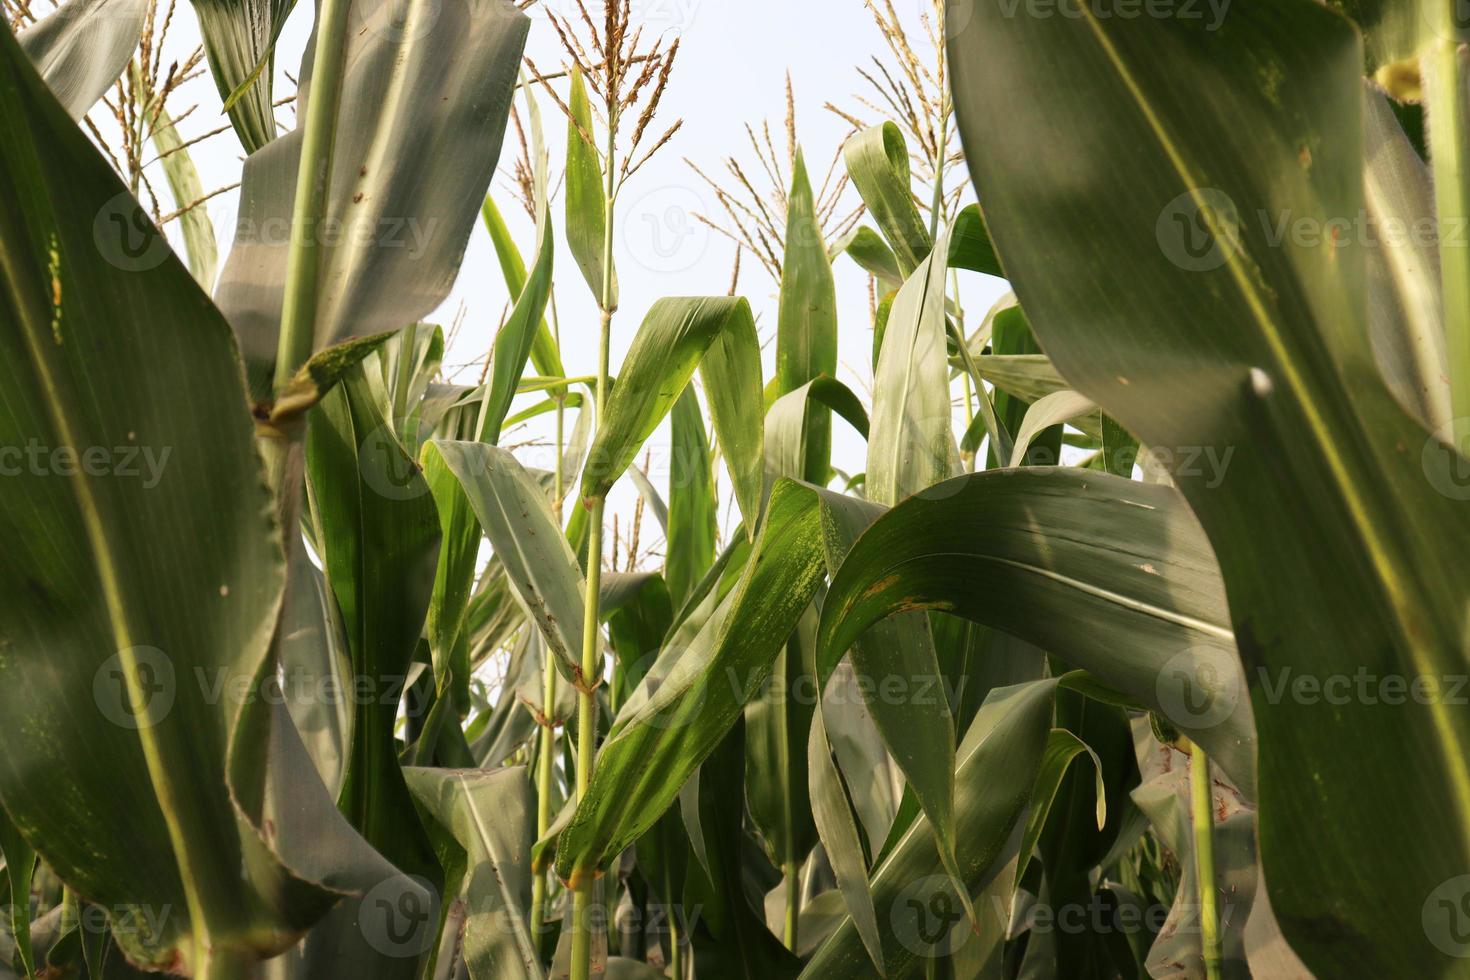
x,y
1134,647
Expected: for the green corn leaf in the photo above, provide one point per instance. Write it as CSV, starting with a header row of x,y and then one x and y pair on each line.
x,y
912,444
432,102
111,353
918,911
806,324
1126,577
379,540
82,48
516,516
1258,347
693,520
586,194
878,163
490,817
239,40
716,334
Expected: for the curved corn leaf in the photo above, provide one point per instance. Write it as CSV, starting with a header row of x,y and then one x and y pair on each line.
x,y
378,533
715,333
778,723
239,41
914,899
429,99
1405,307
786,422
1048,411
461,532
841,836
806,324
1061,748
151,500
1123,571
693,520
489,816
878,163
516,340
20,863
897,669
868,249
912,444
82,48
1255,345
544,352
970,246
1029,377
538,561
656,743
188,191
586,195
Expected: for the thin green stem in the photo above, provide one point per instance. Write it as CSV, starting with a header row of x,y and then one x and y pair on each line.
x,y
582,889
1446,118
313,182
1203,807
545,762
793,903
937,204
676,958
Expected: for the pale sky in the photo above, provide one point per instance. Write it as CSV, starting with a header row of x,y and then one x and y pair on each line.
x,y
731,70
